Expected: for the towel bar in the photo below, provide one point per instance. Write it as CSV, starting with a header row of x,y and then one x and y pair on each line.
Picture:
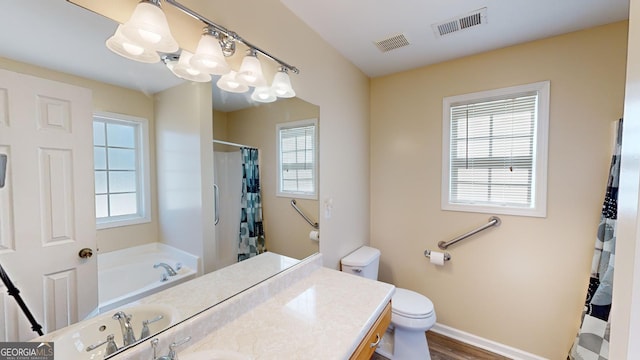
x,y
313,224
493,221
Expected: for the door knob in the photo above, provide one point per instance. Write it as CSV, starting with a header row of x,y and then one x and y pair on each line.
x,y
85,253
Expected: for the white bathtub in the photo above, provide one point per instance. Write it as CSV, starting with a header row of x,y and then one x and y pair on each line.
x,y
128,275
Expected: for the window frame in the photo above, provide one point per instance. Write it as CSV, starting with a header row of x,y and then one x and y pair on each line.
x,y
538,206
143,181
295,194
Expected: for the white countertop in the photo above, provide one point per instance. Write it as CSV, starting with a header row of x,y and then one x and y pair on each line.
x,y
325,315
304,312
196,295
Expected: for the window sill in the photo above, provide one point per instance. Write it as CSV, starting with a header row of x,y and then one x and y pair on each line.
x,y
297,195
108,224
495,210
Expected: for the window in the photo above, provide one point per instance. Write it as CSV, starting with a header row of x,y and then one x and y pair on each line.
x,y
121,170
495,151
297,159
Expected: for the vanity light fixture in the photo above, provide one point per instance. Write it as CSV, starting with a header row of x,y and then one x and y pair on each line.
x,y
281,84
250,71
121,45
147,33
228,43
148,27
183,69
230,83
263,94
208,56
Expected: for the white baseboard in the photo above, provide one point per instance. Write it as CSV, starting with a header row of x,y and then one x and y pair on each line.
x,y
483,343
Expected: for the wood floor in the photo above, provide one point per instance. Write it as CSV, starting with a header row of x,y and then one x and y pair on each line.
x,y
445,348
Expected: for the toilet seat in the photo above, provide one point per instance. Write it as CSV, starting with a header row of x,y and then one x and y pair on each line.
x,y
411,310
410,304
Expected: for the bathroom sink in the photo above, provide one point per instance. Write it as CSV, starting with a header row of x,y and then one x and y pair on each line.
x,y
215,355
72,342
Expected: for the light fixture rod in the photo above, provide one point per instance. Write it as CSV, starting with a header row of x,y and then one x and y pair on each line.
x,y
229,33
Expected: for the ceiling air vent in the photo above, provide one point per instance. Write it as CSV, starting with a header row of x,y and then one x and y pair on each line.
x,y
392,43
475,18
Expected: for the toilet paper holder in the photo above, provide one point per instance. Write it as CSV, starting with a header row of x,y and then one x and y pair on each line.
x,y
447,256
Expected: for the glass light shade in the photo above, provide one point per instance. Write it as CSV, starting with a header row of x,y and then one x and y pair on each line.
x,y
121,45
263,94
250,72
281,85
148,27
184,70
229,83
208,56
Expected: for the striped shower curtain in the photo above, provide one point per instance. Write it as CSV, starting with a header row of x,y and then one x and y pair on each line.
x,y
592,341
251,236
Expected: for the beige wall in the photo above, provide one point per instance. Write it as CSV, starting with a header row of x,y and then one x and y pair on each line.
x,y
521,284
114,99
220,126
286,232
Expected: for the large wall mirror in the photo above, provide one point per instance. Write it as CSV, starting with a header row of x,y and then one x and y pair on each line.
x,y
56,40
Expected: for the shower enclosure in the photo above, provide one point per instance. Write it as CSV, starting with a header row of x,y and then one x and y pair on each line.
x,y
228,190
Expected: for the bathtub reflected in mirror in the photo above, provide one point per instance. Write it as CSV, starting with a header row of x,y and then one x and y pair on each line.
x,y
130,274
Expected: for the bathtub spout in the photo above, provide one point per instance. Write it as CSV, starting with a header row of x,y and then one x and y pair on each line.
x,y
128,337
167,268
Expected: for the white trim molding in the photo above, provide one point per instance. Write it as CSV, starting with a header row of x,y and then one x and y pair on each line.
x,y
485,344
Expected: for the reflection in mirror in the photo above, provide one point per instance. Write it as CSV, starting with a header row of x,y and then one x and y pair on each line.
x,y
121,86
285,231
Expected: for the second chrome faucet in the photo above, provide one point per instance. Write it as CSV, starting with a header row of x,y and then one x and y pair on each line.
x,y
169,271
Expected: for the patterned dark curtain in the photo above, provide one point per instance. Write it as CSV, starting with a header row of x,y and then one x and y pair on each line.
x,y
251,237
592,341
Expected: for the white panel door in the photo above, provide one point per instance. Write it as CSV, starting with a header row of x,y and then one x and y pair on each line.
x,y
47,203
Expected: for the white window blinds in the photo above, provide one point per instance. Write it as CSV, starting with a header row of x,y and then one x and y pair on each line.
x,y
492,151
297,158
492,154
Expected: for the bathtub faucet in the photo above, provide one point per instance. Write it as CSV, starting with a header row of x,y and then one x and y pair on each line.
x,y
167,268
128,337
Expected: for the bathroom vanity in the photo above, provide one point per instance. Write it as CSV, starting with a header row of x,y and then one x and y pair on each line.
x,y
306,311
368,344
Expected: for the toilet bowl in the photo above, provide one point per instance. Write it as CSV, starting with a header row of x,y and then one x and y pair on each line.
x,y
412,314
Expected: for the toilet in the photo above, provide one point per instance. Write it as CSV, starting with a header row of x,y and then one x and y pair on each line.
x,y
412,314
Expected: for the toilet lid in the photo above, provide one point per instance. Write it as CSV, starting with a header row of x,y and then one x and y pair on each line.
x,y
411,304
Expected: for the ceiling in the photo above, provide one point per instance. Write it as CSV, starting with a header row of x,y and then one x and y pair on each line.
x,y
353,26
31,32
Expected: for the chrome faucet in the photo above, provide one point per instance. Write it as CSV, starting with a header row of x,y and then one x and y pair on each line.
x,y
111,346
167,268
145,326
128,337
172,355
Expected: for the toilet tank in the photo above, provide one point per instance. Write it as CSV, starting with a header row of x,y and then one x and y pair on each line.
x,y
362,262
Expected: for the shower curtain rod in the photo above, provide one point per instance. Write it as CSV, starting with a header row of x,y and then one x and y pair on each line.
x,y
232,144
